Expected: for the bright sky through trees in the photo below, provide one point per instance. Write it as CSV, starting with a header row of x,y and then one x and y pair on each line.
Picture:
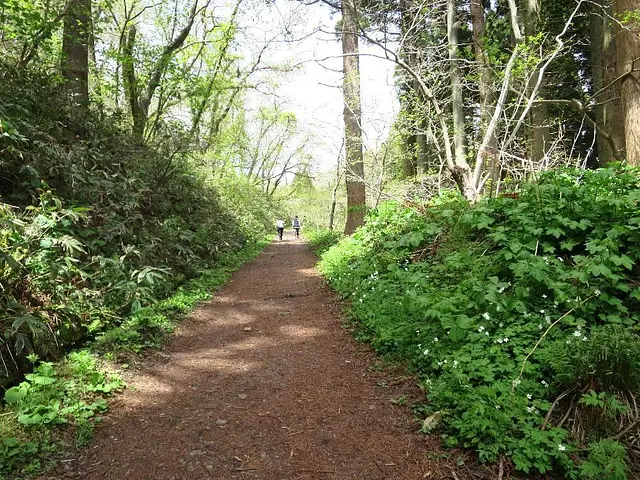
x,y
312,91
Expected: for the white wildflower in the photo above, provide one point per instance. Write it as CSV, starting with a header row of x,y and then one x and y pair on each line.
x,y
481,329
435,339
426,352
529,396
544,296
530,409
561,447
597,292
577,333
486,316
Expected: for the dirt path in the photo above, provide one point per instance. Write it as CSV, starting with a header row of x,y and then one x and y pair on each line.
x,y
261,382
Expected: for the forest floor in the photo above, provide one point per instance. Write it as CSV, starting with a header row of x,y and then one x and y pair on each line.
x,y
263,382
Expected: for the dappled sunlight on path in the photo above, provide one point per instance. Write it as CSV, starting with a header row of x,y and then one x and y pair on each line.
x,y
261,382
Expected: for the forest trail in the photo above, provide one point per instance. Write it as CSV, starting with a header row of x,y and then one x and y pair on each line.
x,y
260,382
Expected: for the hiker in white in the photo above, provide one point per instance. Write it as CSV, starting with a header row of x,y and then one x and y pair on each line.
x,y
296,226
280,228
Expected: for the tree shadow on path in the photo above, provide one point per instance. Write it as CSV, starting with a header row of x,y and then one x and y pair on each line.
x,y
261,382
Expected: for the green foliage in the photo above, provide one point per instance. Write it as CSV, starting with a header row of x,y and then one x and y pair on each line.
x,y
149,326
69,393
104,243
505,307
606,460
321,239
94,226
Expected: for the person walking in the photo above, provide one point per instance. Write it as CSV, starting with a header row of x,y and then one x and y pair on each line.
x,y
280,228
296,226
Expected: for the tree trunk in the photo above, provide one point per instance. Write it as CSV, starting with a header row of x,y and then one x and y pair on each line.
x,y
409,159
422,145
334,197
356,199
457,104
140,99
606,91
538,131
129,81
487,96
75,50
628,52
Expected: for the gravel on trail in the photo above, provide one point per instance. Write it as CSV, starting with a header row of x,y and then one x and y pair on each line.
x,y
262,382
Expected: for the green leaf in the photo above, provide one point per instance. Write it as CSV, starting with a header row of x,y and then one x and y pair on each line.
x,y
14,395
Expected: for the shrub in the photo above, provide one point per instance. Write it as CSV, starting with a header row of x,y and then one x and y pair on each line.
x,y
320,240
483,300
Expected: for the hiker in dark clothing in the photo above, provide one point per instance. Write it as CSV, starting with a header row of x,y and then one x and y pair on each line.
x,y
280,228
296,226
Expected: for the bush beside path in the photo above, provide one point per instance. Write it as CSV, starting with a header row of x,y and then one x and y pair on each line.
x,y
263,382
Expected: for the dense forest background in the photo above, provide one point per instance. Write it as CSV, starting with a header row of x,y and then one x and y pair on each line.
x,y
143,145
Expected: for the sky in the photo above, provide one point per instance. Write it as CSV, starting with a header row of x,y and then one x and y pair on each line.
x,y
313,90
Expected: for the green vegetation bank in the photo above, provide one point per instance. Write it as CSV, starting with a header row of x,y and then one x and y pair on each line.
x,y
105,243
519,317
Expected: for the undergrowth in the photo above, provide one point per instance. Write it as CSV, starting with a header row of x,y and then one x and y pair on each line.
x,y
105,242
95,226
321,240
57,405
519,317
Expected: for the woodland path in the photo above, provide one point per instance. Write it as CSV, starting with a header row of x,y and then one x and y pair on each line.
x,y
294,397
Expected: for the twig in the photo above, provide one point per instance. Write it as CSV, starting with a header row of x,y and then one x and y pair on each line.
x,y
548,415
622,433
307,470
501,468
524,362
566,415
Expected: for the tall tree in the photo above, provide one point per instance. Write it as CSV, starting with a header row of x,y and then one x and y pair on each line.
x,y
140,98
485,82
538,129
628,53
606,91
455,75
75,50
356,195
